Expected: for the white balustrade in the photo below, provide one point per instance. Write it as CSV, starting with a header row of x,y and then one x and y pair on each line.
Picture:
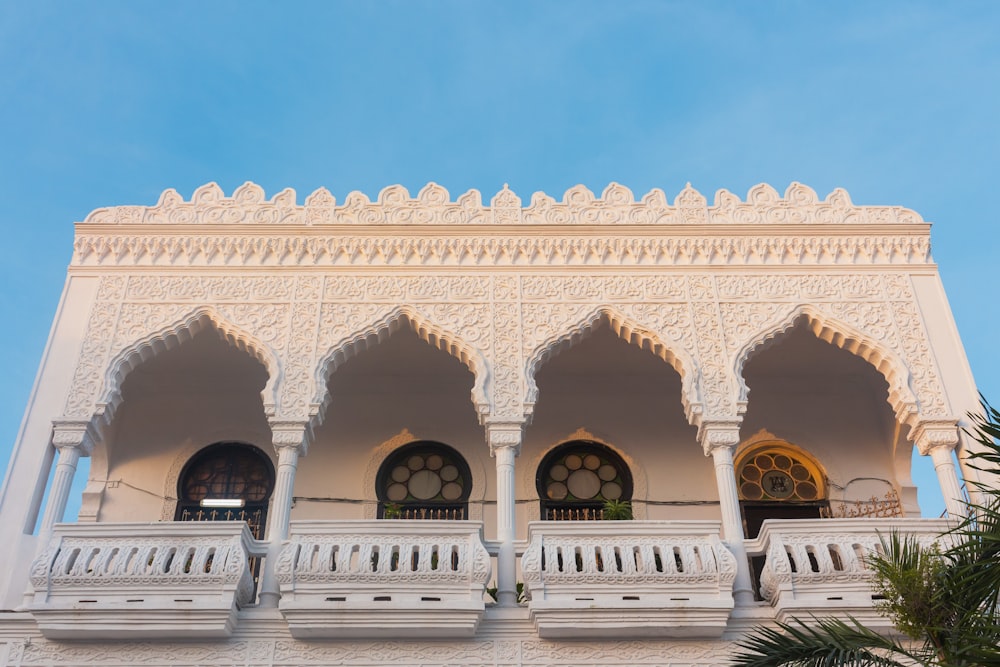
x,y
152,580
628,578
819,566
387,578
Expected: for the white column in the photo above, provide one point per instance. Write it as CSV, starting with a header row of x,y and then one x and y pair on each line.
x,y
505,443
719,440
72,440
938,440
290,440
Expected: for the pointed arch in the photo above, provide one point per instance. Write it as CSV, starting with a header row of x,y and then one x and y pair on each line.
x,y
182,330
381,329
633,334
845,337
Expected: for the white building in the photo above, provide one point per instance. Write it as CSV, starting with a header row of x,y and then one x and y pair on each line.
x,y
393,393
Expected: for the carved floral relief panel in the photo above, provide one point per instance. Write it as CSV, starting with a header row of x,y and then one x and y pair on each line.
x,y
503,325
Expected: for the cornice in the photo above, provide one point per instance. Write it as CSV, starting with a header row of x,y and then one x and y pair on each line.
x,y
433,206
393,250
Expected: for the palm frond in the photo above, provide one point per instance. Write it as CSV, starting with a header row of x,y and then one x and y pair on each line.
x,y
822,643
912,581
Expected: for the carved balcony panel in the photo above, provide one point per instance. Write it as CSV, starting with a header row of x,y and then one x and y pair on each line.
x,y
618,579
143,580
818,566
388,578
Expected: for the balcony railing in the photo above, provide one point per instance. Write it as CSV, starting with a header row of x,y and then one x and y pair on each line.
x,y
152,580
819,566
383,578
425,579
628,579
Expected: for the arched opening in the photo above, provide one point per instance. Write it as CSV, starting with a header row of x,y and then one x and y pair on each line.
x,y
835,407
605,389
424,480
200,391
227,481
577,478
396,391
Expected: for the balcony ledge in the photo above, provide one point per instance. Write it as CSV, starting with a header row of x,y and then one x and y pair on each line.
x,y
383,579
622,579
164,580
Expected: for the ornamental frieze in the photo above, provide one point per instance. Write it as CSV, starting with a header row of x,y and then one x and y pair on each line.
x,y
358,252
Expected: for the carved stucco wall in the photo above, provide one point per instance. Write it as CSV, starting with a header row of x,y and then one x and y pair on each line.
x,y
286,652
504,286
502,324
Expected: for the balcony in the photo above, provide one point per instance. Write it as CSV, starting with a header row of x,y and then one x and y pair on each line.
x,y
143,580
817,566
425,579
385,578
619,579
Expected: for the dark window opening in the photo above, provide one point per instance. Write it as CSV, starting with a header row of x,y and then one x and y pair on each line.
x,y
424,480
576,478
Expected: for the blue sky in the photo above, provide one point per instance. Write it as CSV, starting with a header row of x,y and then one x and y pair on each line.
x,y
107,103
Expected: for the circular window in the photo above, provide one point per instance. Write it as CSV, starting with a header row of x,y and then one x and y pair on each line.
x,y
227,471
227,481
775,473
424,480
576,478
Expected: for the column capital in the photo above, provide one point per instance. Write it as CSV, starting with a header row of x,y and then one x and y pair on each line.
x,y
293,434
74,434
504,435
932,434
716,434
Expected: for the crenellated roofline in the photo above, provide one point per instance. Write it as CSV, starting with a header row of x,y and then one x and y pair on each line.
x,y
433,205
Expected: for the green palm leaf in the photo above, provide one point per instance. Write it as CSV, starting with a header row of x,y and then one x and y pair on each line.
x,y
822,643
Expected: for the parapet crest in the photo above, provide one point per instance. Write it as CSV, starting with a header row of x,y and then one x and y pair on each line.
x,y
433,206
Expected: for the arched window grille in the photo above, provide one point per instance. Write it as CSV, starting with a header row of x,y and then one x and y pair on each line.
x,y
576,478
424,480
778,473
227,481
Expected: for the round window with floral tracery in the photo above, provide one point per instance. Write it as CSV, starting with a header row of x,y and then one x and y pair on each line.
x,y
777,473
581,474
424,479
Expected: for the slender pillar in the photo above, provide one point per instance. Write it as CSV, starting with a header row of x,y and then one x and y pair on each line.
x,y
72,440
505,444
719,440
291,439
938,440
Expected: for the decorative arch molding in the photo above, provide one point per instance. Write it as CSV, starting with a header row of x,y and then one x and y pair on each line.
x,y
391,322
839,334
383,451
632,333
526,474
175,335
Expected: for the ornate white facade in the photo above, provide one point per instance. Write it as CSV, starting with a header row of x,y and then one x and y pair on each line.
x,y
715,365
